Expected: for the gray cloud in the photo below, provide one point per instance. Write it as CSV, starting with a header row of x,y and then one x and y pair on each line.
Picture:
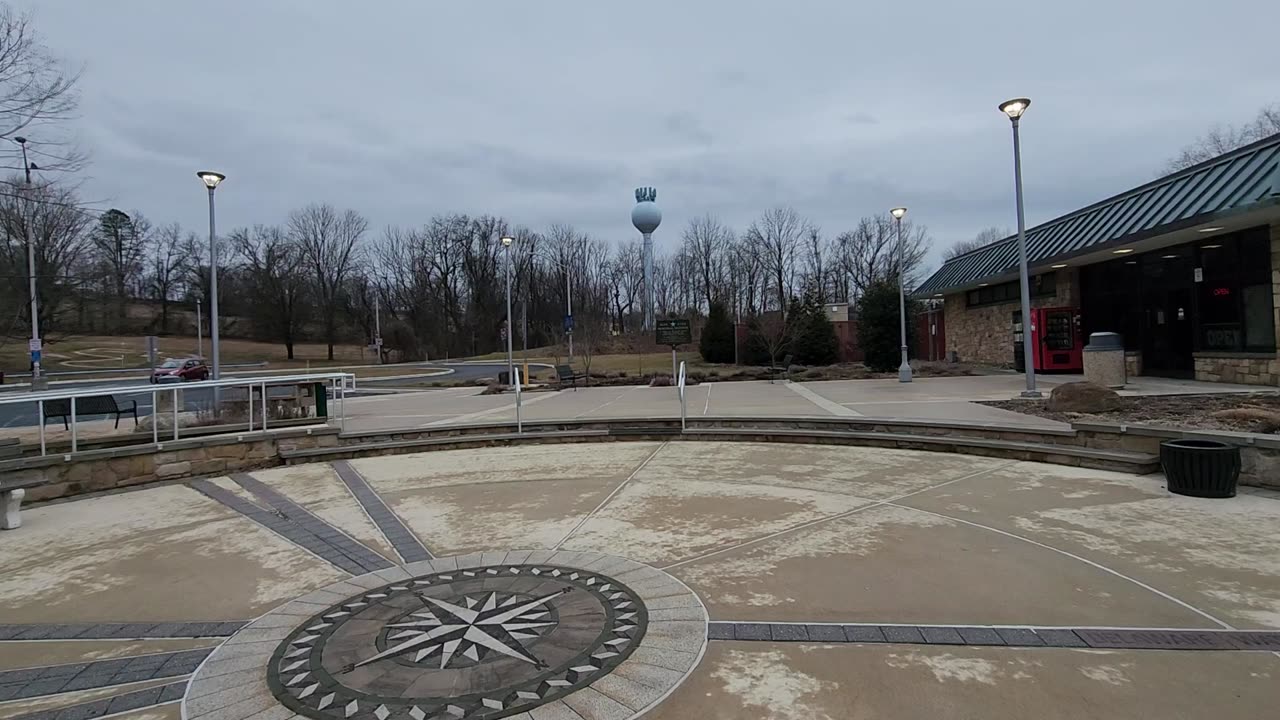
x,y
554,112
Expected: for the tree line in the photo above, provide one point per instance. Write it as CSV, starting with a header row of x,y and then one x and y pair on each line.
x,y
319,273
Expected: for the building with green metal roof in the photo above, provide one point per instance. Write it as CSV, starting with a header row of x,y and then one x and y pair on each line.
x,y
1186,268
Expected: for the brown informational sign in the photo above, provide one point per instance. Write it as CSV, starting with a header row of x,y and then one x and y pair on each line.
x,y
673,332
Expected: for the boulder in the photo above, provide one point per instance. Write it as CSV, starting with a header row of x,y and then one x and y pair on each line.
x,y
1083,397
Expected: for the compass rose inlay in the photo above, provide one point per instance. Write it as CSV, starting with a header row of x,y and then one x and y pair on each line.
x,y
485,642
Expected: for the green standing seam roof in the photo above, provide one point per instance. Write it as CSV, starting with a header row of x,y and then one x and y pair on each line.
x,y
1231,181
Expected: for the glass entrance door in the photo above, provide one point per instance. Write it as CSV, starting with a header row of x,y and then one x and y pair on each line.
x,y
1167,297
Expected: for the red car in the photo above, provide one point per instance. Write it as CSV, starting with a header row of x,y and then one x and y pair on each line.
x,y
185,370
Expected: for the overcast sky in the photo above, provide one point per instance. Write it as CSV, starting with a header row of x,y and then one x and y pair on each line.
x,y
555,111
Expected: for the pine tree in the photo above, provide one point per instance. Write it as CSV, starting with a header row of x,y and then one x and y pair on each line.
x,y
716,343
878,326
815,336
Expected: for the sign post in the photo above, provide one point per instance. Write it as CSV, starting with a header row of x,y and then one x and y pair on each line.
x,y
673,332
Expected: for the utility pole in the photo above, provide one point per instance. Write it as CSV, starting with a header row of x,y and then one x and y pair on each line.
x,y
199,330
377,327
35,345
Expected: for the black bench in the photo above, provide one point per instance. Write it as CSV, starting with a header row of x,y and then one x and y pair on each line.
x,y
565,374
89,405
781,371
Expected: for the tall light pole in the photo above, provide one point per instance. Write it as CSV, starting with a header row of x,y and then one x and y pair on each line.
x,y
35,346
904,369
1014,109
511,365
211,181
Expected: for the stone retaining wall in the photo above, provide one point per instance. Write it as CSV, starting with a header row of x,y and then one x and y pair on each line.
x,y
1259,454
111,468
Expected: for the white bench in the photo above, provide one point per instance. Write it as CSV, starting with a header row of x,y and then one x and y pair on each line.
x,y
11,494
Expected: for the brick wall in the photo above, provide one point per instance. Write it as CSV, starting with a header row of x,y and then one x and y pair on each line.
x,y
985,334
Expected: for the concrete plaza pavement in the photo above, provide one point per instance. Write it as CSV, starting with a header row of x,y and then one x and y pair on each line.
x,y
893,542
951,398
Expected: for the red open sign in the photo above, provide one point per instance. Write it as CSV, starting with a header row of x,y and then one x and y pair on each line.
x,y
1221,292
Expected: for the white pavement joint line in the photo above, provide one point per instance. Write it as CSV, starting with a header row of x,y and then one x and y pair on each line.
x,y
830,406
1073,556
610,496
526,402
607,403
837,516
708,404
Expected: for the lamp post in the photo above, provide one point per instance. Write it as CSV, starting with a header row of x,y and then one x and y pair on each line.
x,y
511,365
904,369
27,167
568,300
211,181
1014,109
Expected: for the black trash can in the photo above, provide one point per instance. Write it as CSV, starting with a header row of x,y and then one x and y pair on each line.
x,y
504,378
1201,468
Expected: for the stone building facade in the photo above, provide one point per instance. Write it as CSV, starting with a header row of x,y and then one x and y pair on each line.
x,y
984,334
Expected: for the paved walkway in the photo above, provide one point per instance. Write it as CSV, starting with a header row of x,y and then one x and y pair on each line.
x,y
930,398
838,582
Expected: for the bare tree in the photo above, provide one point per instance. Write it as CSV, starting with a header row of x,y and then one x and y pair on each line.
x,y
982,239
774,238
60,239
816,267
330,245
1225,138
706,241
869,252
275,269
37,96
166,266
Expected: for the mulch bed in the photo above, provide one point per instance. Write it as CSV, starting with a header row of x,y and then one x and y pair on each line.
x,y
1181,411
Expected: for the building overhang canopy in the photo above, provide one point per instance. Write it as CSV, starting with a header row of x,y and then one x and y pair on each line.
x,y
1233,191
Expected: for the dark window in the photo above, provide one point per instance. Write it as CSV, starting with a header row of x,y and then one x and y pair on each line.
x,y
1009,292
1234,293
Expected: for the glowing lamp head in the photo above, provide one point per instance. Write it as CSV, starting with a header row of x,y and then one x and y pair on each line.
x,y
507,240
898,212
1015,107
211,179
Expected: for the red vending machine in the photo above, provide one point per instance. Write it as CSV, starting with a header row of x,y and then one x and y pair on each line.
x,y
1056,341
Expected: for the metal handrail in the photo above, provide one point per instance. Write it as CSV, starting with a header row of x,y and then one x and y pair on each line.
x,y
680,385
519,419
338,384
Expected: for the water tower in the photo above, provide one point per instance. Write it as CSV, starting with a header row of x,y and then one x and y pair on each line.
x,y
646,217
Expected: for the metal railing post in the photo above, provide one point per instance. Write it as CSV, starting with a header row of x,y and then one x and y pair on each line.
x,y
683,410
519,417
155,416
73,424
249,412
40,413
264,406
342,405
175,413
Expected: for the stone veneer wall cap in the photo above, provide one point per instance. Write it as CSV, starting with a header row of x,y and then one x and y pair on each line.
x,y
1244,439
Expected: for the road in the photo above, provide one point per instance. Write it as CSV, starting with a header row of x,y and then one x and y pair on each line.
x,y
21,414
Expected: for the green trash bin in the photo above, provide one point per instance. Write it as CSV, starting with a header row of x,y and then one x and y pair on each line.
x,y
321,391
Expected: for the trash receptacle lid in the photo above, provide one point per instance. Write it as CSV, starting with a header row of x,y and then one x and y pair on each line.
x,y
1104,341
